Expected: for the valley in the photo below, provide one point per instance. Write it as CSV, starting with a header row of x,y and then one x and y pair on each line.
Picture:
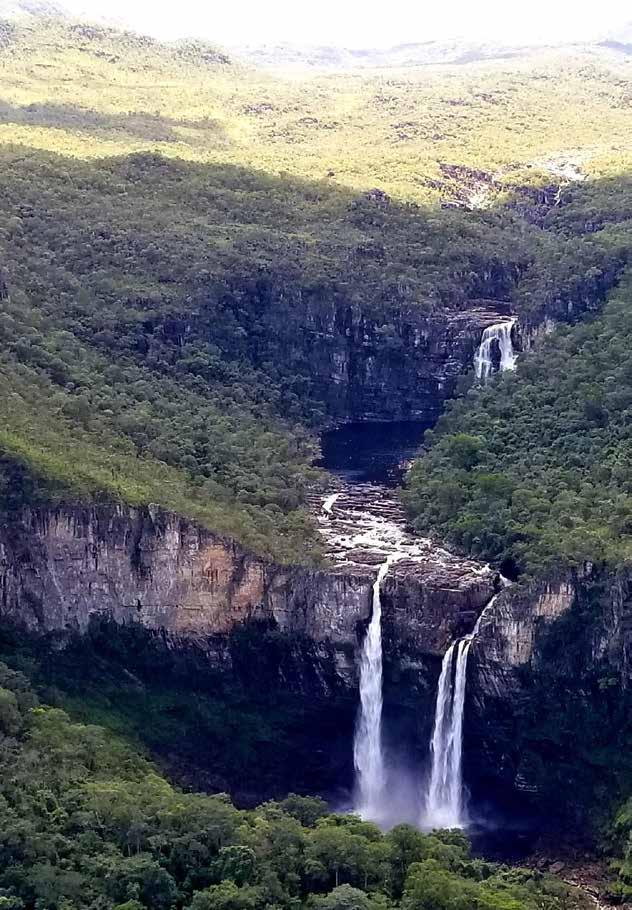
x,y
315,499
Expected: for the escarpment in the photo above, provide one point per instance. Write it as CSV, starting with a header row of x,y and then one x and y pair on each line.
x,y
281,641
403,370
548,699
60,567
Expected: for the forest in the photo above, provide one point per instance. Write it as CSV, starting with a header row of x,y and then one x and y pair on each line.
x,y
533,471
178,231
88,822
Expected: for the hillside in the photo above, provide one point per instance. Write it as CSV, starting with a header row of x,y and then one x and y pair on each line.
x,y
533,470
207,262
91,91
159,301
88,821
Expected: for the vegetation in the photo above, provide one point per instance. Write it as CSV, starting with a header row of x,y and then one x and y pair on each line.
x,y
250,732
87,822
159,301
533,470
89,91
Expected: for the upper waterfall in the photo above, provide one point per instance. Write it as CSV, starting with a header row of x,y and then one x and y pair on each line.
x,y
499,334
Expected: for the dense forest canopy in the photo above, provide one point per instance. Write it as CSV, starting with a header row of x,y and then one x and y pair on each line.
x,y
534,469
87,822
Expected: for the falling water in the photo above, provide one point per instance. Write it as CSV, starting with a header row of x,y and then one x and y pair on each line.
x,y
501,334
328,504
367,746
444,802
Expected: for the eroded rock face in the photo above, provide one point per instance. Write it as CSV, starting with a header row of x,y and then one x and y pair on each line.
x,y
365,371
60,567
227,620
548,694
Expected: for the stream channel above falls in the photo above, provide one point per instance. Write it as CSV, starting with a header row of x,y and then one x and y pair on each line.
x,y
359,513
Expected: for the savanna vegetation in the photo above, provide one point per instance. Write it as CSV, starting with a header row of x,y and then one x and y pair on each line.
x,y
169,222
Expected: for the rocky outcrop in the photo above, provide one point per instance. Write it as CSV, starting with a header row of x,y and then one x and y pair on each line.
x,y
61,567
179,609
548,694
406,370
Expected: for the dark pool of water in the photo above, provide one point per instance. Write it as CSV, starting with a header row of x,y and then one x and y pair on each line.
x,y
372,452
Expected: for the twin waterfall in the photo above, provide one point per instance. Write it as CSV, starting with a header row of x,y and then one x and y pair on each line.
x,y
484,362
444,805
443,801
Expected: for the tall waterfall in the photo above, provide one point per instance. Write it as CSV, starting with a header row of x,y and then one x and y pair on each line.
x,y
367,745
444,806
444,802
501,334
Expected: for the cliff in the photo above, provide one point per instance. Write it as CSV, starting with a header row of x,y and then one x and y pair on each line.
x,y
364,369
549,697
548,706
61,567
143,602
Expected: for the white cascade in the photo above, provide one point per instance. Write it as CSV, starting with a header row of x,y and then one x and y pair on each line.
x,y
367,746
328,504
445,804
501,334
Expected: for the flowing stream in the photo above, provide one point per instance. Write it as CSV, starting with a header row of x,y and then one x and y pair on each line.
x,y
499,334
363,526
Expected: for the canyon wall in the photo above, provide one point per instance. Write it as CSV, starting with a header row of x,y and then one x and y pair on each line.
x,y
273,647
61,566
355,361
404,370
549,696
548,706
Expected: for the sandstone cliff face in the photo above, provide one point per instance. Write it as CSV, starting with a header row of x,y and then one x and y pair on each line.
x,y
61,567
548,693
364,370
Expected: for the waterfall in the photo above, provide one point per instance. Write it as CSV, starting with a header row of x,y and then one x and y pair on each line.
x,y
444,802
328,504
367,745
500,334
444,805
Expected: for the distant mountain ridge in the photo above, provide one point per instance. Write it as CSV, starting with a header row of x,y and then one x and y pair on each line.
x,y
24,9
287,55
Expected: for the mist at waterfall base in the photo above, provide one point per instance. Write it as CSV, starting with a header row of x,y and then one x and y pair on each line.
x,y
375,455
399,779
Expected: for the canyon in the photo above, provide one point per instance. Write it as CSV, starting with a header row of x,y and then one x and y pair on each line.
x,y
64,569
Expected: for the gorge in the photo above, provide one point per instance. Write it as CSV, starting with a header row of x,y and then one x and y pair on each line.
x,y
315,460
64,569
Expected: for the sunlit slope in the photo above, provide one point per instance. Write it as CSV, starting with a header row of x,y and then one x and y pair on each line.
x,y
89,91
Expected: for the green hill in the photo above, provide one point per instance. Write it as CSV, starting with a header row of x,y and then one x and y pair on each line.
x,y
151,336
